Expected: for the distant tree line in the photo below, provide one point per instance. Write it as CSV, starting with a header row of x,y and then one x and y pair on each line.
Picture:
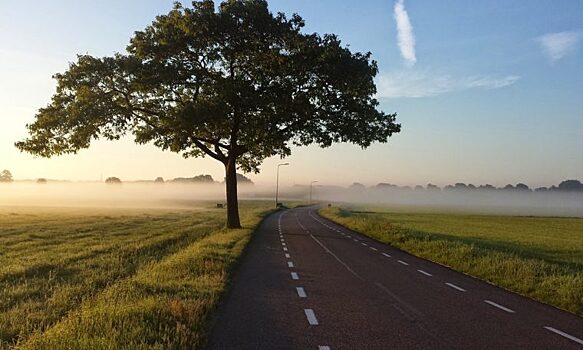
x,y
565,186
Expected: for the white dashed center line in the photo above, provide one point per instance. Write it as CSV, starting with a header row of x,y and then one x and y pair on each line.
x,y
455,287
364,244
387,255
290,264
373,248
323,347
349,236
500,306
568,336
301,292
402,262
356,240
295,276
284,249
425,273
312,320
283,244
287,255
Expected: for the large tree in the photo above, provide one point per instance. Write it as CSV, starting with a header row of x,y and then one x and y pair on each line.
x,y
238,84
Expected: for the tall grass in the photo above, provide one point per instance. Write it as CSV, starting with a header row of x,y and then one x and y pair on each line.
x,y
109,281
535,256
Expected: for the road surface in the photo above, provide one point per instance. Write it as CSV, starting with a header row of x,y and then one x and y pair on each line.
x,y
308,283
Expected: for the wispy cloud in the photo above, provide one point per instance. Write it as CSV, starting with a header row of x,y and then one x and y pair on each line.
x,y
423,84
405,36
558,45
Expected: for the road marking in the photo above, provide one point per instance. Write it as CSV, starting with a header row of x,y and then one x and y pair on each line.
x,y
402,262
373,248
301,292
356,240
311,317
337,258
284,249
425,273
349,236
455,287
500,306
295,276
283,244
290,264
387,255
287,255
364,244
323,347
568,336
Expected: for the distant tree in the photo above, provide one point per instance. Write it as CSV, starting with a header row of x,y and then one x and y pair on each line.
x,y
541,189
384,185
471,187
419,188
449,188
460,186
237,84
243,180
508,187
41,181
159,180
486,187
113,180
200,179
522,187
6,176
357,186
432,187
571,185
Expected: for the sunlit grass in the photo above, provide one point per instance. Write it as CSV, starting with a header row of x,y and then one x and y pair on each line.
x,y
540,257
114,279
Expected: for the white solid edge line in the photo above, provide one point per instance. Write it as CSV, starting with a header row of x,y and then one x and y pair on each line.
x,y
373,248
290,264
387,255
455,287
311,316
425,273
295,276
287,255
301,292
568,336
323,347
499,306
402,262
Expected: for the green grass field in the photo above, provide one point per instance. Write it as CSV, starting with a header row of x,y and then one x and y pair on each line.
x,y
540,257
111,279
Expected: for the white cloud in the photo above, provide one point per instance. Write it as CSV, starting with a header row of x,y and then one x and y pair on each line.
x,y
422,84
558,45
405,36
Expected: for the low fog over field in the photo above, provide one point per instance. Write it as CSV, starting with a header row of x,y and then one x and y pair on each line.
x,y
511,201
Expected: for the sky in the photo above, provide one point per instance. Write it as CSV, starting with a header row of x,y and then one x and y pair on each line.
x,y
486,91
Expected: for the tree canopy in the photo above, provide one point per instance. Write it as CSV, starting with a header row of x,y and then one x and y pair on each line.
x,y
238,84
5,176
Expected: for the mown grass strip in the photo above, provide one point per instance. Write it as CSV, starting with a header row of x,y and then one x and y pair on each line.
x,y
165,305
495,249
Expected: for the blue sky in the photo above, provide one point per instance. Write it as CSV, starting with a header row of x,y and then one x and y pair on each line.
x,y
486,91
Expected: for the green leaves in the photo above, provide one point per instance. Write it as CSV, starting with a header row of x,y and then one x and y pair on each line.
x,y
239,84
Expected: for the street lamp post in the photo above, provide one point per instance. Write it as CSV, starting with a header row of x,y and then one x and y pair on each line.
x,y
277,182
311,183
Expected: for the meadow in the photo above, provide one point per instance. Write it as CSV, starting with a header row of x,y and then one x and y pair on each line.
x,y
115,278
539,257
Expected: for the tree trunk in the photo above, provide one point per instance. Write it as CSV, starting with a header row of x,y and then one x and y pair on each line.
x,y
232,198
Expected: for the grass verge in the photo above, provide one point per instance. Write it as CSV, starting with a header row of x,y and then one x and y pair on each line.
x,y
132,281
538,257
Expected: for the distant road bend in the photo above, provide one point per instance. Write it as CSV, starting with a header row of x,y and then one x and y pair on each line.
x,y
308,283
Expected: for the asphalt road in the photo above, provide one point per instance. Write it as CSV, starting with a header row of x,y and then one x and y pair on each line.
x,y
308,283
